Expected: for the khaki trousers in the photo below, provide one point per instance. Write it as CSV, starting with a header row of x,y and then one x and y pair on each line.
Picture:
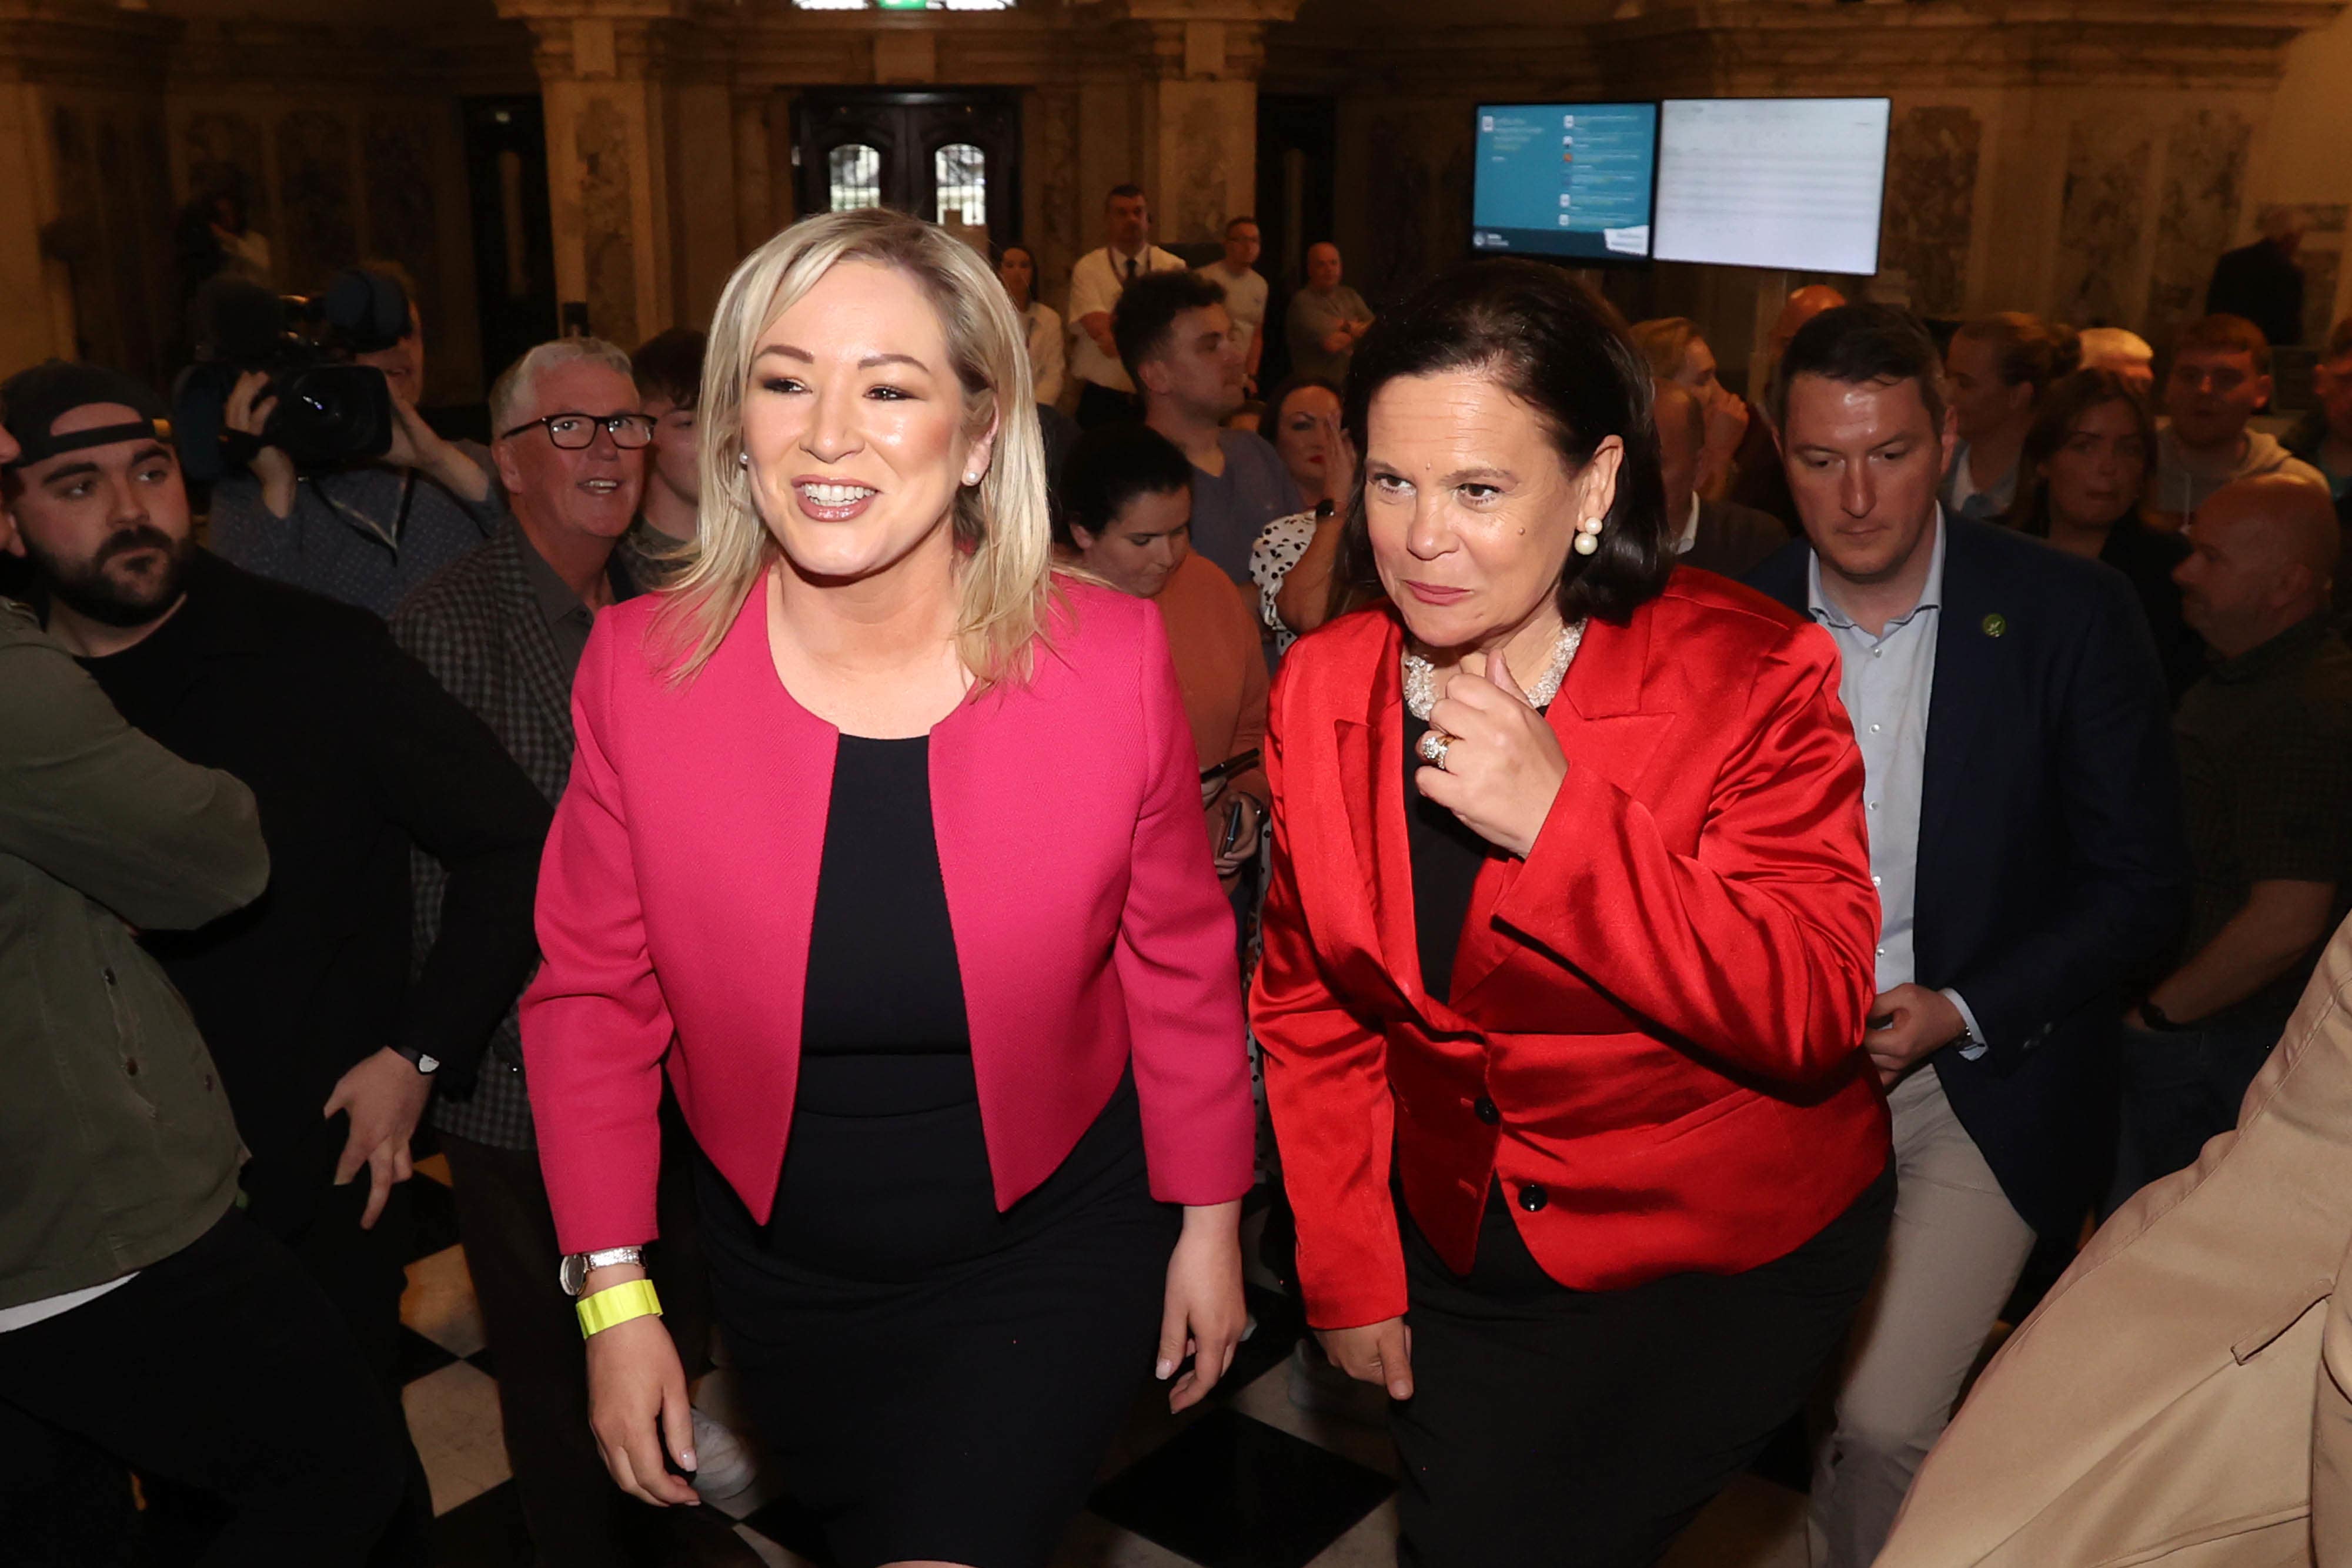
x,y
1953,1256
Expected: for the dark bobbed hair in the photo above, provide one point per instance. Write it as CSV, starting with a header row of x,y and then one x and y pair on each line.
x,y
1110,466
1856,345
2068,399
1147,312
1296,384
669,364
1555,345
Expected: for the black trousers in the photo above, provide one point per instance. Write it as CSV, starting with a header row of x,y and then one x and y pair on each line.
x,y
1099,406
223,1369
578,1517
1559,1428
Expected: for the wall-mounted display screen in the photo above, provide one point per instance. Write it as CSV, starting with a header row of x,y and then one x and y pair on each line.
x,y
1790,182
1565,179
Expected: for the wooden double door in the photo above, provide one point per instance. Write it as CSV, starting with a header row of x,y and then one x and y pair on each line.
x,y
951,157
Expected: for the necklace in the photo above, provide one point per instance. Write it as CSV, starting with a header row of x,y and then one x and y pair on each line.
x,y
1421,676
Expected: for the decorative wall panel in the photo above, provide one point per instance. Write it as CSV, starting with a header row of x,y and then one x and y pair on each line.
x,y
2196,216
2103,221
608,219
1931,192
314,174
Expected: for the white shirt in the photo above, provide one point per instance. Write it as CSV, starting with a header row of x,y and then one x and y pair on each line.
x,y
1689,536
1244,300
1044,330
47,1307
1096,284
1887,682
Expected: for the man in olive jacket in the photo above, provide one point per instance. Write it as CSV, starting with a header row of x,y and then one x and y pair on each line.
x,y
138,1311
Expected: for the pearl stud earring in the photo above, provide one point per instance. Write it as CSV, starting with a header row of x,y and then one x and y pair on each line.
x,y
1588,536
743,460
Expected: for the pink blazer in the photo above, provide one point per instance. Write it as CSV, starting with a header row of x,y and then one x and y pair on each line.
x,y
679,883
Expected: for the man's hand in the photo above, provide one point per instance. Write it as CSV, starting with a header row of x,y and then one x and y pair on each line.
x,y
1906,1025
385,1095
247,412
416,444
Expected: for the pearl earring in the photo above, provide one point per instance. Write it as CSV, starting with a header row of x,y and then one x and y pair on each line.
x,y
743,460
1588,536
971,478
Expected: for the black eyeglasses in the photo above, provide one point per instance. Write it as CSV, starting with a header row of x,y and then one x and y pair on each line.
x,y
577,432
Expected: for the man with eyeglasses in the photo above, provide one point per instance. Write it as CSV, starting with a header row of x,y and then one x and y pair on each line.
x,y
2220,375
504,627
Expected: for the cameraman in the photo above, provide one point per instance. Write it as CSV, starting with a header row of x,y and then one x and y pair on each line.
x,y
369,532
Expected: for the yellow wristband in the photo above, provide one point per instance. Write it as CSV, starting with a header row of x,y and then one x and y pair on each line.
x,y
617,1304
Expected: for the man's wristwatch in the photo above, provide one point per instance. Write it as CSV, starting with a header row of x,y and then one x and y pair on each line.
x,y
2156,1019
422,1062
573,1274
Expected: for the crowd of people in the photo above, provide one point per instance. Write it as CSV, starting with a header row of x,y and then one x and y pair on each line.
x,y
1693,910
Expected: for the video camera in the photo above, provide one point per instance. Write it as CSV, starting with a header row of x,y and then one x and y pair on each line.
x,y
330,413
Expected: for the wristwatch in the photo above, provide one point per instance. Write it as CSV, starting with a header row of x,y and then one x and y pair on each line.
x,y
573,1274
2157,1019
424,1063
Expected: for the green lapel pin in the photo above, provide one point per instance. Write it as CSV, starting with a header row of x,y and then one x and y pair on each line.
x,y
1995,625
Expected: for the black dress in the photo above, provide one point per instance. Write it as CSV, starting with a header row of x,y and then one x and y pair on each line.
x,y
936,1379
1559,1428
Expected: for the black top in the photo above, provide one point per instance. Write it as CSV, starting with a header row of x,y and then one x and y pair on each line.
x,y
2146,556
1446,860
2265,747
353,753
2262,283
882,1022
885,1174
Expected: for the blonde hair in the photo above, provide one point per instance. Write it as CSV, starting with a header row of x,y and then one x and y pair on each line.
x,y
1002,528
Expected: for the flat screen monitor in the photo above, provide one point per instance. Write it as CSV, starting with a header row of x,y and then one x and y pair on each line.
x,y
1565,179
1790,182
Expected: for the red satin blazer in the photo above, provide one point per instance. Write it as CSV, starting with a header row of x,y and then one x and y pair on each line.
x,y
679,884
1657,1017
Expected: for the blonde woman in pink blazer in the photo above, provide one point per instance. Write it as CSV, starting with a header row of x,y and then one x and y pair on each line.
x,y
885,843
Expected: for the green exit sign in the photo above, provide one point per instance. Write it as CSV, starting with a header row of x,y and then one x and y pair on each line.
x,y
902,5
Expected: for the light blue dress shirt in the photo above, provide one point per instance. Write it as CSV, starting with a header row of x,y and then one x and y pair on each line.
x,y
1886,682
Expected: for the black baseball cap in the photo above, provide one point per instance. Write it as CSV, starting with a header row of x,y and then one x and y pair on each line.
x,y
32,401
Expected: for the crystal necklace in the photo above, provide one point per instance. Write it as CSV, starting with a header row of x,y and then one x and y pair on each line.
x,y
1421,676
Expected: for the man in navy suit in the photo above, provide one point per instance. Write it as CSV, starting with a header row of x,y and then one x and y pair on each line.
x,y
2027,844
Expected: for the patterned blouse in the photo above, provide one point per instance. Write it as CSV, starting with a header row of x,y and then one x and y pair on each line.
x,y
1279,545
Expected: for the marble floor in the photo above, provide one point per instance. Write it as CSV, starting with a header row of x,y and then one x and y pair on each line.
x,y
1248,1480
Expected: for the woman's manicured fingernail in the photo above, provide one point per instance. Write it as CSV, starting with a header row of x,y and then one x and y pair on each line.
x,y
686,1458
1165,1367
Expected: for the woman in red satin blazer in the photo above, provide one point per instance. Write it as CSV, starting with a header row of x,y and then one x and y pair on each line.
x,y
1585,986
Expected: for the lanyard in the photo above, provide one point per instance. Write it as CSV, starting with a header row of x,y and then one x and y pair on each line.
x,y
359,518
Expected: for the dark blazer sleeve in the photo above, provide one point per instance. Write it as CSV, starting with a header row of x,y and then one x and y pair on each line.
x,y
445,777
2118,793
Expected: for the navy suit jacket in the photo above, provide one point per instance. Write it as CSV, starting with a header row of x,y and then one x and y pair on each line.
x,y
2053,867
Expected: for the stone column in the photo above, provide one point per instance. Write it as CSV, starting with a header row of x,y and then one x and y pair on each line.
x,y
84,185
1199,108
640,157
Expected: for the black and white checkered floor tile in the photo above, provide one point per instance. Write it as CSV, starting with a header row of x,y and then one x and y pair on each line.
x,y
1247,1480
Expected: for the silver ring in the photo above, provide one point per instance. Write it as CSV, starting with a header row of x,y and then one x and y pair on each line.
x,y
1434,745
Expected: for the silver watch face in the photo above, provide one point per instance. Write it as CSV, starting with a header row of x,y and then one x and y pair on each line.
x,y
573,1273
427,1064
